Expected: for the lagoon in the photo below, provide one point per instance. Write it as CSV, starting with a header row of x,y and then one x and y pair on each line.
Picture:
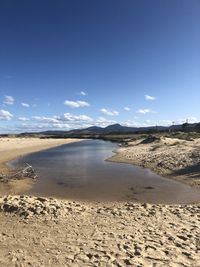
x,y
79,171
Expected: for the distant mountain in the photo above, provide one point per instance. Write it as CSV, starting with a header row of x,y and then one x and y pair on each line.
x,y
114,128
119,128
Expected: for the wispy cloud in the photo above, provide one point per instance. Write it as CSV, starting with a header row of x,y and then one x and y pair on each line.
x,y
103,122
148,97
109,112
26,105
76,104
83,93
44,119
66,121
145,110
72,118
42,126
127,108
63,118
8,100
5,115
23,119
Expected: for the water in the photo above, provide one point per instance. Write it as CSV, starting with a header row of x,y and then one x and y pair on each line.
x,y
79,171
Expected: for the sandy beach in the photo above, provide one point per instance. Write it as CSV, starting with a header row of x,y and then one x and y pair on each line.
x,y
169,157
49,232
37,231
11,148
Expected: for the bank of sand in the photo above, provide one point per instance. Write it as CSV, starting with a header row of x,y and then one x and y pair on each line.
x,y
47,232
11,148
169,157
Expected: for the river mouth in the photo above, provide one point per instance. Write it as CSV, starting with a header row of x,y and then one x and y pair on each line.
x,y
78,171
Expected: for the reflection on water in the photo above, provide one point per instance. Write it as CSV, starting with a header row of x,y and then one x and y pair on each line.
x,y
79,171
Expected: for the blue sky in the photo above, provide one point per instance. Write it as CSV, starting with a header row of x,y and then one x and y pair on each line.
x,y
70,64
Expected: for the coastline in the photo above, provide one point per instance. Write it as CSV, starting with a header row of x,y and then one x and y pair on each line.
x,y
12,148
168,157
38,231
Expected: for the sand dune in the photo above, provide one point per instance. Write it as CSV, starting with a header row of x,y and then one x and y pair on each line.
x,y
169,157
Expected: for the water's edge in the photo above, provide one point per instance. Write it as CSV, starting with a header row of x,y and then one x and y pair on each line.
x,y
120,167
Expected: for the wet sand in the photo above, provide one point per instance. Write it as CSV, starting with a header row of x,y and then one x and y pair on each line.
x,y
11,148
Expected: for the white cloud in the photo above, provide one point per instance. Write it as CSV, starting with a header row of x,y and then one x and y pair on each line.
x,y
103,122
148,97
188,119
73,121
76,104
25,105
5,115
145,110
44,119
82,93
23,119
42,127
76,118
146,123
60,126
8,100
59,122
109,112
130,123
192,120
166,123
127,108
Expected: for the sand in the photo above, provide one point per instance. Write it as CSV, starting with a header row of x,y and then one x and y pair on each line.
x,y
49,232
168,157
38,231
11,148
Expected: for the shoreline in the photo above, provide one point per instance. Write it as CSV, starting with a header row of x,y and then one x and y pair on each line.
x,y
12,148
156,157
44,231
117,158
134,153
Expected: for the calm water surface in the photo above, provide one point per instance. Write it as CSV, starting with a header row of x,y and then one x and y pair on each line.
x,y
79,171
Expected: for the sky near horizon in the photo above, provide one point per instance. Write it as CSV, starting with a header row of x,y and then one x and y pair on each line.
x,y
68,64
